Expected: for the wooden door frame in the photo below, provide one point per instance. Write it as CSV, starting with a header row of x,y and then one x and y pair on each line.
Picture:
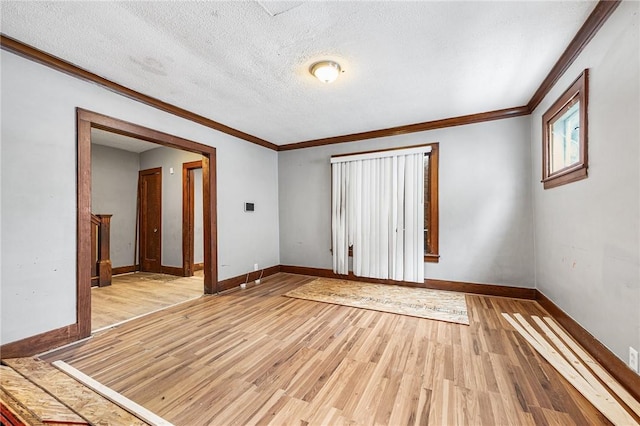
x,y
188,216
147,172
85,120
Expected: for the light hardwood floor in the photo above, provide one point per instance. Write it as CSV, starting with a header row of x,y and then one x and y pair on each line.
x,y
131,295
256,357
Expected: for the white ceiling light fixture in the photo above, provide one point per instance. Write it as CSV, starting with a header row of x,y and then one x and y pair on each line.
x,y
325,71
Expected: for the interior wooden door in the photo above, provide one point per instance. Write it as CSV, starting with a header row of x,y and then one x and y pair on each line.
x,y
188,215
150,219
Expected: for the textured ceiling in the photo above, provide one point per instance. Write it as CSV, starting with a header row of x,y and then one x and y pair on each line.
x,y
115,140
245,64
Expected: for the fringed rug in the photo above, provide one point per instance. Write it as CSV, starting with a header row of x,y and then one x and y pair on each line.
x,y
415,302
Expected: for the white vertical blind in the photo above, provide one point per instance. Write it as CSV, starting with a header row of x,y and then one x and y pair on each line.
x,y
378,209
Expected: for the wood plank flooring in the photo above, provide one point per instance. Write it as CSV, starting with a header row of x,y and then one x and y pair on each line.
x,y
255,357
131,295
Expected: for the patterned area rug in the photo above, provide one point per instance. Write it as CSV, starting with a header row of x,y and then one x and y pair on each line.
x,y
416,302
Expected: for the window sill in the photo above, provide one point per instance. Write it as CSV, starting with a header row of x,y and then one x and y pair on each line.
x,y
432,258
569,176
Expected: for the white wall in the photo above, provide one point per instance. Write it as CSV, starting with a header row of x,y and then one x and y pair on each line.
x,y
588,232
39,212
486,225
168,158
114,186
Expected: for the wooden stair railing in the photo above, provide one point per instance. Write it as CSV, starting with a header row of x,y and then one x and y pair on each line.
x,y
100,257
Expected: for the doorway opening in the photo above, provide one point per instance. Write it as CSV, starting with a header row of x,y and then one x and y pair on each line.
x,y
191,218
150,254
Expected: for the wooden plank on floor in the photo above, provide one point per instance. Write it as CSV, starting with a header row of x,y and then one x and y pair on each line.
x,y
570,357
88,404
607,405
44,406
596,368
113,396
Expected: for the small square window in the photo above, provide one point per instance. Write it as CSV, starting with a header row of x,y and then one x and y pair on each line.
x,y
564,148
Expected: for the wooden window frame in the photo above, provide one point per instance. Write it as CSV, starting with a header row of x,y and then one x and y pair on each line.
x,y
431,253
578,91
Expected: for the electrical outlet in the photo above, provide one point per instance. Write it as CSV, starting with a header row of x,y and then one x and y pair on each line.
x,y
633,359
256,268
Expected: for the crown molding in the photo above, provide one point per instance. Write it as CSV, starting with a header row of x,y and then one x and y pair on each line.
x,y
11,45
596,19
594,22
412,128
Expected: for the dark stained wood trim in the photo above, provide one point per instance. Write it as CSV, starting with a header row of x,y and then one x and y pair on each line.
x,y
40,342
11,45
461,287
105,270
172,270
83,237
125,128
188,216
234,282
125,269
395,148
85,121
614,365
579,90
412,128
434,205
210,225
566,177
481,289
596,19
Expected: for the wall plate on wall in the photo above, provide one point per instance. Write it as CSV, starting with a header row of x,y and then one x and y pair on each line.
x,y
249,207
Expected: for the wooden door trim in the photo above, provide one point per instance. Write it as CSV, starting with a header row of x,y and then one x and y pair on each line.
x,y
188,216
148,172
87,120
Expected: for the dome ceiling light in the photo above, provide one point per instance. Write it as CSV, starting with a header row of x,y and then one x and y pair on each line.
x,y
325,71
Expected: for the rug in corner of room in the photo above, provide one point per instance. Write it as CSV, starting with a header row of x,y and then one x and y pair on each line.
x,y
416,302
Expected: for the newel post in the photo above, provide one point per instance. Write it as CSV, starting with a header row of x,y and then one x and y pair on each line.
x,y
104,258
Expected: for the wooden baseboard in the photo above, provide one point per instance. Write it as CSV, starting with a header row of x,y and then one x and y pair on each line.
x,y
172,270
124,269
614,365
482,289
461,287
230,283
40,342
